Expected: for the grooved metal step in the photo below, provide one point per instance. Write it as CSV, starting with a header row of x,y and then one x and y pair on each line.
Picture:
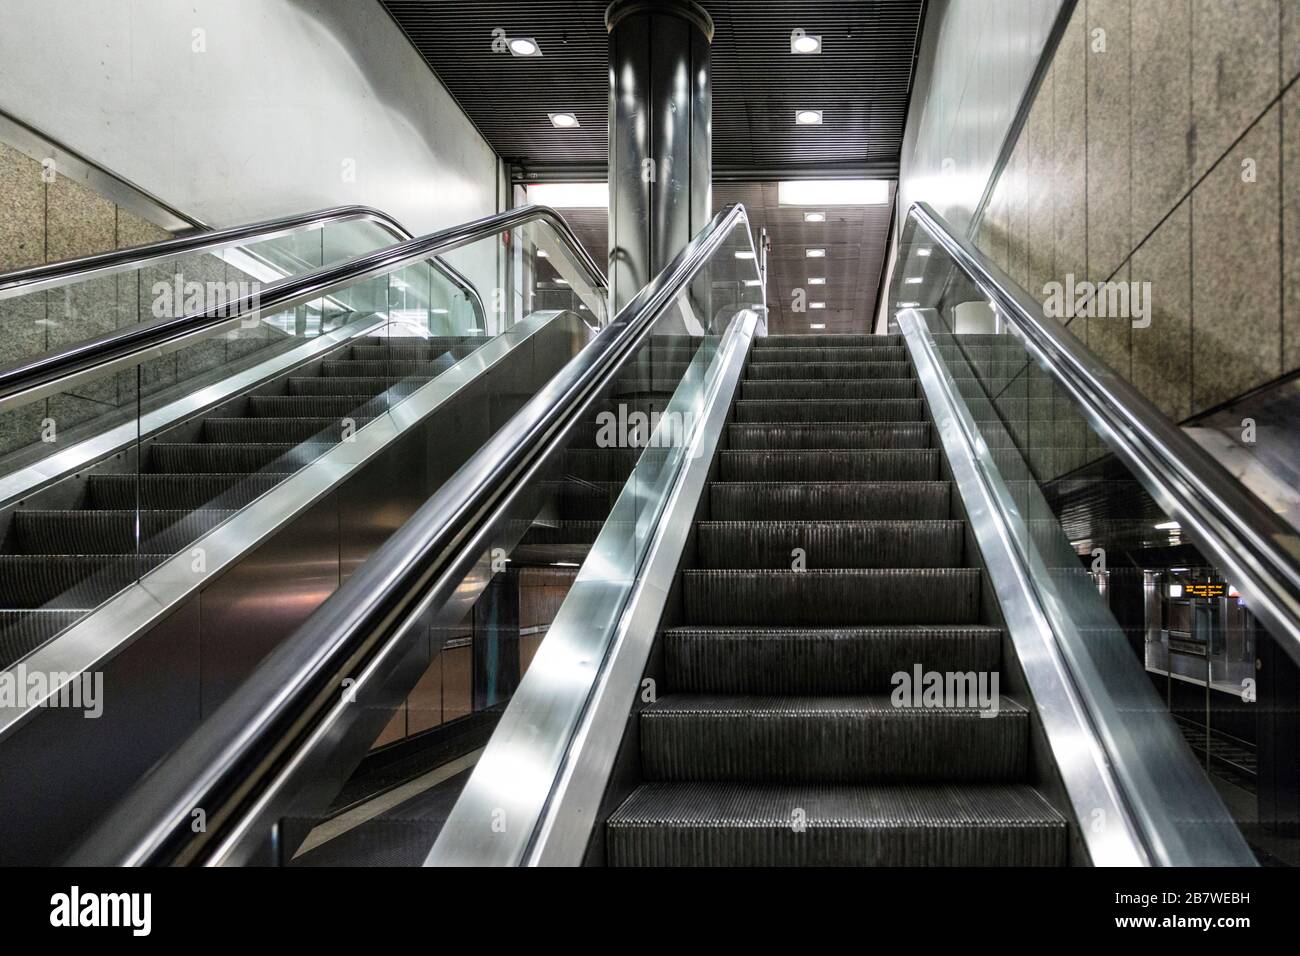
x,y
835,598
830,739
790,409
830,544
833,353
911,464
829,500
830,370
829,435
828,340
832,389
107,532
69,581
736,824
254,430
183,491
175,457
826,660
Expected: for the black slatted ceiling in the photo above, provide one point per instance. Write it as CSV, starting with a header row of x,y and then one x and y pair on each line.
x,y
860,80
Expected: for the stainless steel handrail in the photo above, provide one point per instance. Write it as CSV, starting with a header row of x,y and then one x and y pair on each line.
x,y
246,754
57,371
1258,551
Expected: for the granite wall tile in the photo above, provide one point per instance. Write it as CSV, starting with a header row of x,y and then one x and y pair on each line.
x,y
1110,174
1235,47
1040,166
1160,45
22,210
1236,264
1162,351
79,221
1069,128
1291,228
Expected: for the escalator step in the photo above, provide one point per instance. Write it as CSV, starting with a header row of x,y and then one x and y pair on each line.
x,y
310,406
804,388
828,435
107,532
833,340
830,544
840,660
911,464
408,351
187,491
790,409
730,824
269,430
21,632
173,457
392,370
834,353
367,386
831,598
67,581
830,500
769,739
827,370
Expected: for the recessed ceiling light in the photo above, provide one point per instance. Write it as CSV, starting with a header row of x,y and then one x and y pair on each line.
x,y
814,217
753,282
817,325
808,117
914,280
923,252
563,120
815,253
1169,526
908,305
562,281
744,254
438,311
805,43
543,254
525,46
820,280
832,192
816,305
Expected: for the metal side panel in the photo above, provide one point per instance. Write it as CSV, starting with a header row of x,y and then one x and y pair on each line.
x,y
1109,785
547,764
267,568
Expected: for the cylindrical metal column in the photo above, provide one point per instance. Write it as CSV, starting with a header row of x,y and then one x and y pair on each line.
x,y
660,136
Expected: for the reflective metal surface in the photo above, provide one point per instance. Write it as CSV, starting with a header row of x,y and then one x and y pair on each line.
x,y
660,157
260,756
1258,551
554,806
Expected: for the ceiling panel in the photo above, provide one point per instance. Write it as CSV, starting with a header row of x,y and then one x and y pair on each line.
x,y
860,79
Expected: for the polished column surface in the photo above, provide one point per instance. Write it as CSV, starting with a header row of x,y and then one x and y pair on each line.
x,y
660,153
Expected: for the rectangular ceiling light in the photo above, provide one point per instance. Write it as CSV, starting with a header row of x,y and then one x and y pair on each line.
x,y
817,281
833,192
817,326
816,305
815,253
570,195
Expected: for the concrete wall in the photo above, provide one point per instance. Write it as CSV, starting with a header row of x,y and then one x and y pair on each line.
x,y
1166,149
237,110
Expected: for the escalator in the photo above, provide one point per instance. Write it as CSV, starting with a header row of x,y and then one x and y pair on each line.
x,y
774,740
739,599
271,402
